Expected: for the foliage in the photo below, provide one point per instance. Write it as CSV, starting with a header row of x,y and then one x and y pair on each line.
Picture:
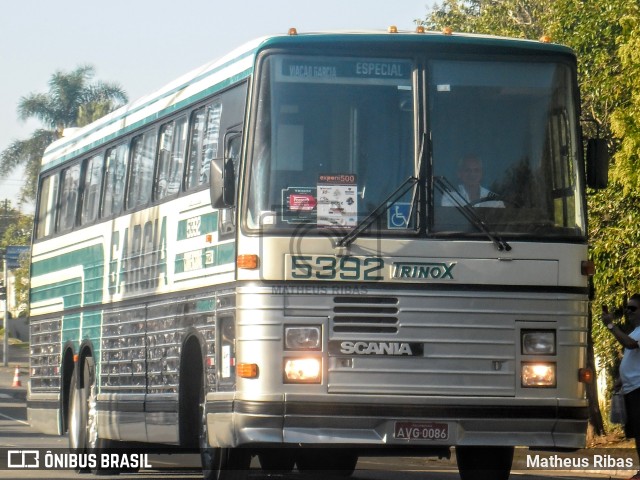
x,y
625,121
512,18
72,101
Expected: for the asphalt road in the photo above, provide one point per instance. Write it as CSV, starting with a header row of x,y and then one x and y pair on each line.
x,y
16,434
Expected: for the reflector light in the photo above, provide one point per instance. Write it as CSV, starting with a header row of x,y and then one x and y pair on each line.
x,y
293,31
588,268
545,39
248,261
447,31
392,29
420,29
585,375
247,370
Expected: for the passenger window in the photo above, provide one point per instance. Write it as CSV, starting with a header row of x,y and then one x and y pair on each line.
x,y
68,198
173,141
47,206
114,182
205,136
142,157
91,189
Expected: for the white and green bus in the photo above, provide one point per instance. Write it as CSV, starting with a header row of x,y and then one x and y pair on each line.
x,y
283,250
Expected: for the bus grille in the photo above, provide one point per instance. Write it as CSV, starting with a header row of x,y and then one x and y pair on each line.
x,y
358,314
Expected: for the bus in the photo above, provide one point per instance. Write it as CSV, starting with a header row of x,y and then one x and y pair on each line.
x,y
369,242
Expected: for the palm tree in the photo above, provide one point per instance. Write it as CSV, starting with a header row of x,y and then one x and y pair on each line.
x,y
72,101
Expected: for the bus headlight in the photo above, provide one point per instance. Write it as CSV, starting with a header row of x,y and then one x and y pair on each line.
x,y
303,370
538,375
538,342
303,337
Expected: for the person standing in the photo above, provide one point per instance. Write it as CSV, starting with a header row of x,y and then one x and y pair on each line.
x,y
629,367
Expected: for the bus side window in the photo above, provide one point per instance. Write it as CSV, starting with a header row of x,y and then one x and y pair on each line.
x,y
203,147
68,198
91,189
114,178
171,153
195,146
142,159
47,205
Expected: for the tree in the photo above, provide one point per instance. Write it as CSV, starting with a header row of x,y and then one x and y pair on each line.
x,y
72,101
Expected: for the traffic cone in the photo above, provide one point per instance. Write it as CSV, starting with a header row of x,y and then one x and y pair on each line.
x,y
16,378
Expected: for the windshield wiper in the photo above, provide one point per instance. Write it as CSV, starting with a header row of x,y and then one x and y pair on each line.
x,y
446,188
349,238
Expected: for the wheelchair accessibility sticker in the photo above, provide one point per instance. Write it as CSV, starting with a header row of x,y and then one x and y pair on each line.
x,y
398,215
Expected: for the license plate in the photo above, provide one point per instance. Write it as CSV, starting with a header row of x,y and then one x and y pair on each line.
x,y
421,431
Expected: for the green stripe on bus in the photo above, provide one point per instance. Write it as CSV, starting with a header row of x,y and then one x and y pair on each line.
x,y
199,225
77,291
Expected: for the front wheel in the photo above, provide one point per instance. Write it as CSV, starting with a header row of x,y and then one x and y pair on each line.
x,y
339,462
484,463
220,463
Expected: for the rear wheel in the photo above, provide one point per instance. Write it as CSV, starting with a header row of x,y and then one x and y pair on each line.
x,y
484,463
83,419
78,412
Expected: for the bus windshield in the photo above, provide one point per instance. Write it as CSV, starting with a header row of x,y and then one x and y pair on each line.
x,y
504,144
336,136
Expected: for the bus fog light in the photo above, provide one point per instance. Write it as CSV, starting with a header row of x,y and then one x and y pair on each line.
x,y
302,370
302,338
538,342
538,374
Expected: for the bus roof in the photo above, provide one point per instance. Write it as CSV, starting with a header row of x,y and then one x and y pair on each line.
x,y
237,65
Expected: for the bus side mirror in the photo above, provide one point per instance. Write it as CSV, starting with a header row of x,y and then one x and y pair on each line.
x,y
222,187
597,163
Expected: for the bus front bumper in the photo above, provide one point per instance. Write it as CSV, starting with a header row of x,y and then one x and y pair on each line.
x,y
242,422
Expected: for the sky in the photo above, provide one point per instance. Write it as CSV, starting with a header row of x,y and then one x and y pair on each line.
x,y
145,44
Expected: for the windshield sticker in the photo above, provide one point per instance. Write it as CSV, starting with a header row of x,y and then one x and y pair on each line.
x,y
337,200
299,204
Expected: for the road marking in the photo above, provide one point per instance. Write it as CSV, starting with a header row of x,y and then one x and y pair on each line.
x,y
14,419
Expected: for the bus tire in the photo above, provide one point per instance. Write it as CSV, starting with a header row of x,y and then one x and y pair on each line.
x,y
336,461
277,460
77,417
484,463
220,463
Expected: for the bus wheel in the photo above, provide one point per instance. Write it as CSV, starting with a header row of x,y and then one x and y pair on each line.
x,y
484,463
340,462
277,460
78,411
221,463
77,415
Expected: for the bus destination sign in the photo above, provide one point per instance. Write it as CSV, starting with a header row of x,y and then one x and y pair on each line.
x,y
353,68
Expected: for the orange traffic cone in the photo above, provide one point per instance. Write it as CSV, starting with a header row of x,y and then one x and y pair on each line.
x,y
16,378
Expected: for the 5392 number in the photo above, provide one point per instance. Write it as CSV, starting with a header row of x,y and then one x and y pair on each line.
x,y
325,267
